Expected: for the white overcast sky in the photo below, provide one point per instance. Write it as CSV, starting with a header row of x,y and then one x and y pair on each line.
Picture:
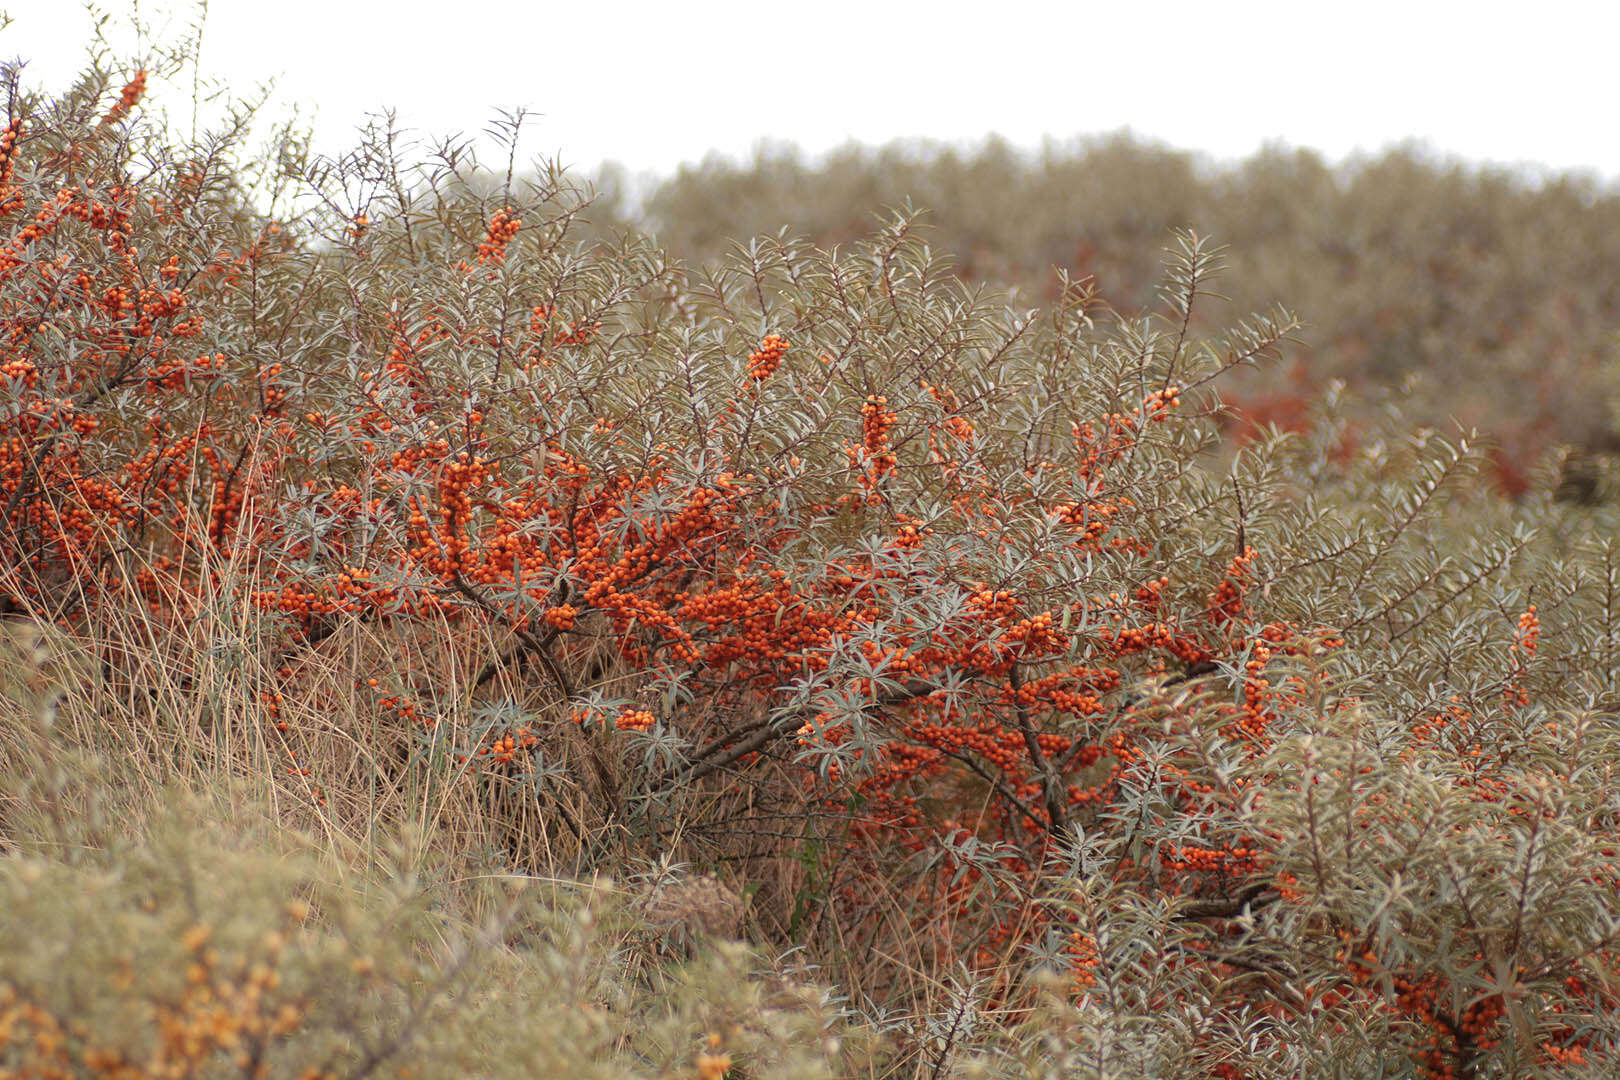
x,y
655,84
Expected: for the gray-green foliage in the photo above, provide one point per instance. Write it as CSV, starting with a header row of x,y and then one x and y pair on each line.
x,y
1428,815
213,943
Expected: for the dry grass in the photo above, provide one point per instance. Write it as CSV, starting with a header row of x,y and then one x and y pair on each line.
x,y
170,907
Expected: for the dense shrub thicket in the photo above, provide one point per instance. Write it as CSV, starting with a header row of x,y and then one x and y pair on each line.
x,y
1422,280
831,601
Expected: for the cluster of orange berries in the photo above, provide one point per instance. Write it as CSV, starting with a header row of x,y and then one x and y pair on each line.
x,y
272,702
504,749
1573,1055
908,533
712,1064
1097,454
20,370
404,363
8,150
502,227
178,372
1090,521
1256,693
1083,959
995,744
876,423
626,720
1076,691
1034,636
766,623
579,333
901,762
962,430
305,606
1227,602
1150,595
447,551
1159,403
993,604
1190,858
271,394
118,300
764,362
1523,650
1132,640
159,304
942,394
127,98
402,708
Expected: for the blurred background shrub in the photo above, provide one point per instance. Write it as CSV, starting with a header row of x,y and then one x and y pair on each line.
x,y
1479,295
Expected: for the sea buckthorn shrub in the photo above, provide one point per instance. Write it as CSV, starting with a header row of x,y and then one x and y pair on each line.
x,y
944,628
